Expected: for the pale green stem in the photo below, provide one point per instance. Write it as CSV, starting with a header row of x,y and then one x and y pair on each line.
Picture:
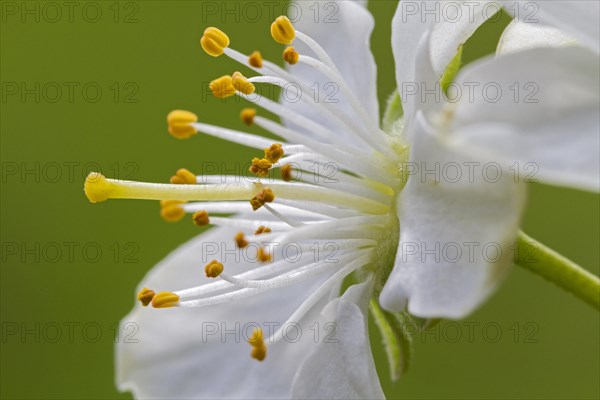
x,y
541,260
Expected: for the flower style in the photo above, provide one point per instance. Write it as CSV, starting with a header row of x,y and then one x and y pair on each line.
x,y
381,217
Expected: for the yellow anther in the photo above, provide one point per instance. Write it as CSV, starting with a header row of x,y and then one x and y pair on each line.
x,y
259,353
274,153
265,196
172,212
180,124
213,269
262,229
214,41
240,240
256,59
242,84
290,55
183,177
201,218
256,339
263,255
97,188
222,87
286,172
260,167
247,115
282,30
259,350
165,300
145,296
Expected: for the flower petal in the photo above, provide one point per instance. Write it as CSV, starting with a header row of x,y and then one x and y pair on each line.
x,y
552,124
519,36
343,29
456,232
579,18
342,366
187,353
449,25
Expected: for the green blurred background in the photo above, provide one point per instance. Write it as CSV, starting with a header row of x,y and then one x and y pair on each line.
x,y
69,268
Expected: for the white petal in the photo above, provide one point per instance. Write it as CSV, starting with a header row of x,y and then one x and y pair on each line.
x,y
553,122
449,24
579,18
343,29
170,358
450,233
519,36
342,366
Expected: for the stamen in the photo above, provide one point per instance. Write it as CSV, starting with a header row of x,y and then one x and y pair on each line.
x,y
165,300
282,30
274,153
213,269
286,172
233,136
263,255
290,55
259,350
375,137
282,217
214,41
321,291
265,196
201,218
241,83
262,229
240,240
145,296
180,124
222,87
247,115
255,59
172,210
260,167
183,177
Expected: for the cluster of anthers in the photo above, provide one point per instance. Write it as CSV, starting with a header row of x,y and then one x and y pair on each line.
x,y
355,210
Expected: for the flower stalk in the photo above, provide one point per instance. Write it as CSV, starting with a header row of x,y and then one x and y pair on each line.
x,y
547,263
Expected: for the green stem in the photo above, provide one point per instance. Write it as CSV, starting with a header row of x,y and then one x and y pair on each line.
x,y
541,260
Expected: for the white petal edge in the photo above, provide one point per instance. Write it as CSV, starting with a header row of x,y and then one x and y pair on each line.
x,y
342,366
519,36
174,355
551,129
448,27
465,222
579,18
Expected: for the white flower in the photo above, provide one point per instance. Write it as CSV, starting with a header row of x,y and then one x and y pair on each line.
x,y
372,213
555,136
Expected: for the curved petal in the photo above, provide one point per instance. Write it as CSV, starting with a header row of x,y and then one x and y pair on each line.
x,y
343,29
449,24
342,366
202,353
579,18
457,227
553,123
519,36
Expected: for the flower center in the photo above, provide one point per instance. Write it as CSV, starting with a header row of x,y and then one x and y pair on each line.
x,y
354,211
